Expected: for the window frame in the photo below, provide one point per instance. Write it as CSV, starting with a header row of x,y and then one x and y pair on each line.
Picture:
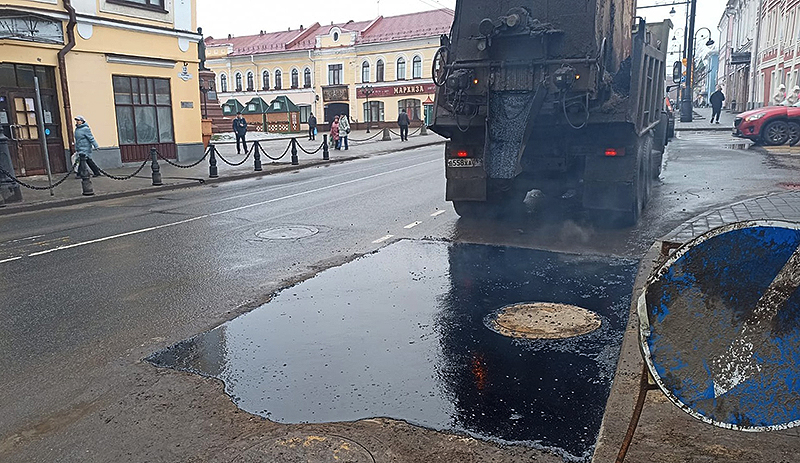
x,y
295,78
162,8
416,61
223,83
265,80
278,79
307,78
366,72
251,81
239,82
133,104
336,74
380,71
401,61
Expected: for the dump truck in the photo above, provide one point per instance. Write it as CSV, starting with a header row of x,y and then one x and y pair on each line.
x,y
565,97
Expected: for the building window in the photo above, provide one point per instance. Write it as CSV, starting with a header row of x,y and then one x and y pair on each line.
x,y
412,107
335,74
238,81
401,68
278,79
295,78
251,85
335,36
416,69
144,110
157,5
365,72
223,83
379,71
373,112
307,78
305,113
265,80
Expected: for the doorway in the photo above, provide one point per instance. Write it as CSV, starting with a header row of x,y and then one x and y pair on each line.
x,y
336,109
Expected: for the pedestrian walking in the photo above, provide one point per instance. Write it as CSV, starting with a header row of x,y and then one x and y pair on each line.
x,y
780,98
344,131
716,99
403,122
240,130
335,133
84,142
312,127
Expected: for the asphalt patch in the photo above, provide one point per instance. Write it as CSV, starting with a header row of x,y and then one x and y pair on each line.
x,y
400,333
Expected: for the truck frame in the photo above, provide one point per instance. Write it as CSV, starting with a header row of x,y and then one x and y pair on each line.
x,y
563,97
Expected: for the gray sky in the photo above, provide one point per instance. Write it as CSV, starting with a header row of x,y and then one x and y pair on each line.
x,y
245,17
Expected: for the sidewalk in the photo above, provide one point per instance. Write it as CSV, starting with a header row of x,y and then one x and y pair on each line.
x,y
665,433
703,122
70,192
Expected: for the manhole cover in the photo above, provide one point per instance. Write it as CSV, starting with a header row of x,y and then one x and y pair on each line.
x,y
291,232
543,320
302,448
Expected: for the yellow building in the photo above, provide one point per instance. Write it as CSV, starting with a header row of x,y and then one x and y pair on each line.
x,y
128,66
369,70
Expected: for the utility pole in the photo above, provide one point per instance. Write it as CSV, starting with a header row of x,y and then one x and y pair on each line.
x,y
687,111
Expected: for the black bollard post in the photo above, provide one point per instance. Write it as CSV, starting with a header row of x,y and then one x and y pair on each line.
x,y
86,181
9,189
213,172
295,160
386,136
257,156
326,154
156,168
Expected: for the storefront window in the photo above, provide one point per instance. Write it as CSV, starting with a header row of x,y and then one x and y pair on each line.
x,y
144,110
373,111
412,107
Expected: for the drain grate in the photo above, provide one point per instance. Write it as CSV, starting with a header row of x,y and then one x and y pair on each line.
x,y
292,232
543,320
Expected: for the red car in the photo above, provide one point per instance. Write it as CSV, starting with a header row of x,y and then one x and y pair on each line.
x,y
772,125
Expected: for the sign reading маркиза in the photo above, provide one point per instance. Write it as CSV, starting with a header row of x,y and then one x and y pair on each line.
x,y
397,90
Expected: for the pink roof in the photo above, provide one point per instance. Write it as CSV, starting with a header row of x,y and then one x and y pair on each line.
x,y
407,26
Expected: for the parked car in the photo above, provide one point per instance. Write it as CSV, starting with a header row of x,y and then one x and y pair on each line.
x,y
772,125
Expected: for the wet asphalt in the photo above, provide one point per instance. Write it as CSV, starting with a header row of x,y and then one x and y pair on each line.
x,y
90,289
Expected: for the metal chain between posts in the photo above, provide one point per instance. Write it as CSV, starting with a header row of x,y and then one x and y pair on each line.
x,y
39,188
410,134
127,177
279,157
236,164
194,164
310,153
377,134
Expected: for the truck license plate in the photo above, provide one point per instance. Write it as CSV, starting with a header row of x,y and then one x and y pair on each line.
x,y
465,162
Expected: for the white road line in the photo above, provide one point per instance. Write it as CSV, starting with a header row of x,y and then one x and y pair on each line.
x,y
436,214
10,260
381,240
228,211
412,225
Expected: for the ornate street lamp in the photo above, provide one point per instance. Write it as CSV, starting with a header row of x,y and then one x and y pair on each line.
x,y
368,90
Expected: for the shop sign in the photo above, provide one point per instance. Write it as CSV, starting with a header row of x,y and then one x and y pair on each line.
x,y
337,93
398,90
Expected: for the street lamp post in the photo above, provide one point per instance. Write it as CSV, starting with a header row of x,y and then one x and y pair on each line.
x,y
368,90
687,110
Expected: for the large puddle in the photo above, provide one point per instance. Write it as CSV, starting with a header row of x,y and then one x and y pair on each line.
x,y
401,334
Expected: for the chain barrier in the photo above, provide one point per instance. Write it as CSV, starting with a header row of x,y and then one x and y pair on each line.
x,y
377,134
310,153
279,157
39,188
236,164
410,134
127,177
194,164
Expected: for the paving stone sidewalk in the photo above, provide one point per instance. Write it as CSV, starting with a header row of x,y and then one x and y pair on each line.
x,y
70,192
704,121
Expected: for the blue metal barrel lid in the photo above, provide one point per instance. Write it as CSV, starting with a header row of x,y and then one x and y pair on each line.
x,y
720,326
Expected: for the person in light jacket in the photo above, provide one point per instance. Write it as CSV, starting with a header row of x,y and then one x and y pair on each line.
x,y
344,130
84,142
780,97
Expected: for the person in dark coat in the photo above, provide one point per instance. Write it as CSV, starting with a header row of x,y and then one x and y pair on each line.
x,y
312,127
84,142
403,122
240,130
716,99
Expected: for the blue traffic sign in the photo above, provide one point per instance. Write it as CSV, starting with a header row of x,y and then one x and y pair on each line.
x,y
720,326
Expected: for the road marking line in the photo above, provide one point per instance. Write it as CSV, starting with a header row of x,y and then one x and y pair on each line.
x,y
381,240
10,260
412,225
436,214
228,211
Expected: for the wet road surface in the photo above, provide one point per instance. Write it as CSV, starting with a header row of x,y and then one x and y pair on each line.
x,y
401,334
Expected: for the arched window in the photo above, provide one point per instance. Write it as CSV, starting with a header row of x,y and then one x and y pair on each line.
x,y
265,80
365,72
251,85
223,83
416,68
379,71
295,78
278,82
307,78
238,81
401,68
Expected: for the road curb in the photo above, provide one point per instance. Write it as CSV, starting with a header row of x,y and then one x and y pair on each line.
x,y
723,128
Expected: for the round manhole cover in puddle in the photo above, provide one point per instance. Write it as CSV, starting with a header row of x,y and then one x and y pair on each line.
x,y
302,448
289,232
543,320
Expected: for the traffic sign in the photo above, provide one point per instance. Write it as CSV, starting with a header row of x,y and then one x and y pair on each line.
x,y
720,326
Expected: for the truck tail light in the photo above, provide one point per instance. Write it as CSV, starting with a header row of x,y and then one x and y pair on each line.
x,y
462,154
614,152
